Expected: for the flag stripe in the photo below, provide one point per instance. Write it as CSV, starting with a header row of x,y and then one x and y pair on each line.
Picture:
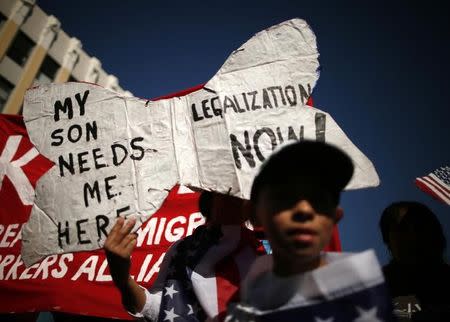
x,y
437,186
440,182
436,183
429,189
227,281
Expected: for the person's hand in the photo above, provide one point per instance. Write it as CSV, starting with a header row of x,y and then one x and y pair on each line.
x,y
118,247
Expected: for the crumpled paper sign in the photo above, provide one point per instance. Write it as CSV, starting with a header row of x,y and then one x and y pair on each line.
x,y
120,156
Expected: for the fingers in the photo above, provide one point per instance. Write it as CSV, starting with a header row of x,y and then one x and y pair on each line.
x,y
130,246
119,236
127,239
113,234
126,228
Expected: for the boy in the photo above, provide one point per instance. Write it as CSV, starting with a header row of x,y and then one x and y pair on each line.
x,y
295,198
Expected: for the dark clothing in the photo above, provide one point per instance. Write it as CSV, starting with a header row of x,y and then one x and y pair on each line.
x,y
429,285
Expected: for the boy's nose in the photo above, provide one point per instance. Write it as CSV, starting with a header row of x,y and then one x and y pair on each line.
x,y
302,211
302,216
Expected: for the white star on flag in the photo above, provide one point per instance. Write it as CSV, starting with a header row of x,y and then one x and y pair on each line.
x,y
171,291
367,316
170,315
13,169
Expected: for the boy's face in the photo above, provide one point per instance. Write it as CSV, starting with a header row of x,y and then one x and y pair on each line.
x,y
296,230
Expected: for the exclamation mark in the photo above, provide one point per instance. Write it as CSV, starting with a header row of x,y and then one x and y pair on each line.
x,y
320,119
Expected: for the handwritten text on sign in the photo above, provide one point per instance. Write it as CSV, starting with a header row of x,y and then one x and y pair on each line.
x,y
119,155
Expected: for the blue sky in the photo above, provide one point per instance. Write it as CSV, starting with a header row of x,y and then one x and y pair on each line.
x,y
384,76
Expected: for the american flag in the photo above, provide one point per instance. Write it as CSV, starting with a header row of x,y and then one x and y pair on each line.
x,y
203,274
350,289
369,305
437,184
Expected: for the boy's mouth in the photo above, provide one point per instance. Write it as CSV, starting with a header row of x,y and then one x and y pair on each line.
x,y
302,235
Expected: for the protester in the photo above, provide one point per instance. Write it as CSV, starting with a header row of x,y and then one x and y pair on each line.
x,y
417,275
200,274
295,197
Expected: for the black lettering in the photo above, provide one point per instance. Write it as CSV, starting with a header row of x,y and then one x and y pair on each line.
x,y
240,110
114,148
195,114
247,106
82,161
228,103
205,109
65,108
266,100
273,141
96,157
77,136
292,136
121,210
304,96
216,111
63,164
291,95
92,191
280,137
246,151
272,90
108,187
91,129
82,101
283,99
81,232
101,222
254,106
320,119
134,146
64,234
55,136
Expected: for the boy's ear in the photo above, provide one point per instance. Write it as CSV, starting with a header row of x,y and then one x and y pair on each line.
x,y
339,214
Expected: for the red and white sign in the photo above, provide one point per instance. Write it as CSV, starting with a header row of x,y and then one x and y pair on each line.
x,y
79,282
73,282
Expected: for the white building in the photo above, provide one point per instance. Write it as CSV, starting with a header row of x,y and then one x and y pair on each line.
x,y
35,50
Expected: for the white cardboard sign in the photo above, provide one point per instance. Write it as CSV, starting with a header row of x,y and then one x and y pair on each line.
x,y
118,155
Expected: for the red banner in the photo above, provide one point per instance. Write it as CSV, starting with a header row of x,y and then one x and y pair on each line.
x,y
75,282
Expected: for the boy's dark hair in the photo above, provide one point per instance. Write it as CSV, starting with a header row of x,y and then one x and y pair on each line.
x,y
308,169
419,217
205,203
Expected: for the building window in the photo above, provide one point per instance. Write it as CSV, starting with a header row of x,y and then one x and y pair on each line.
x,y
5,89
47,72
20,48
